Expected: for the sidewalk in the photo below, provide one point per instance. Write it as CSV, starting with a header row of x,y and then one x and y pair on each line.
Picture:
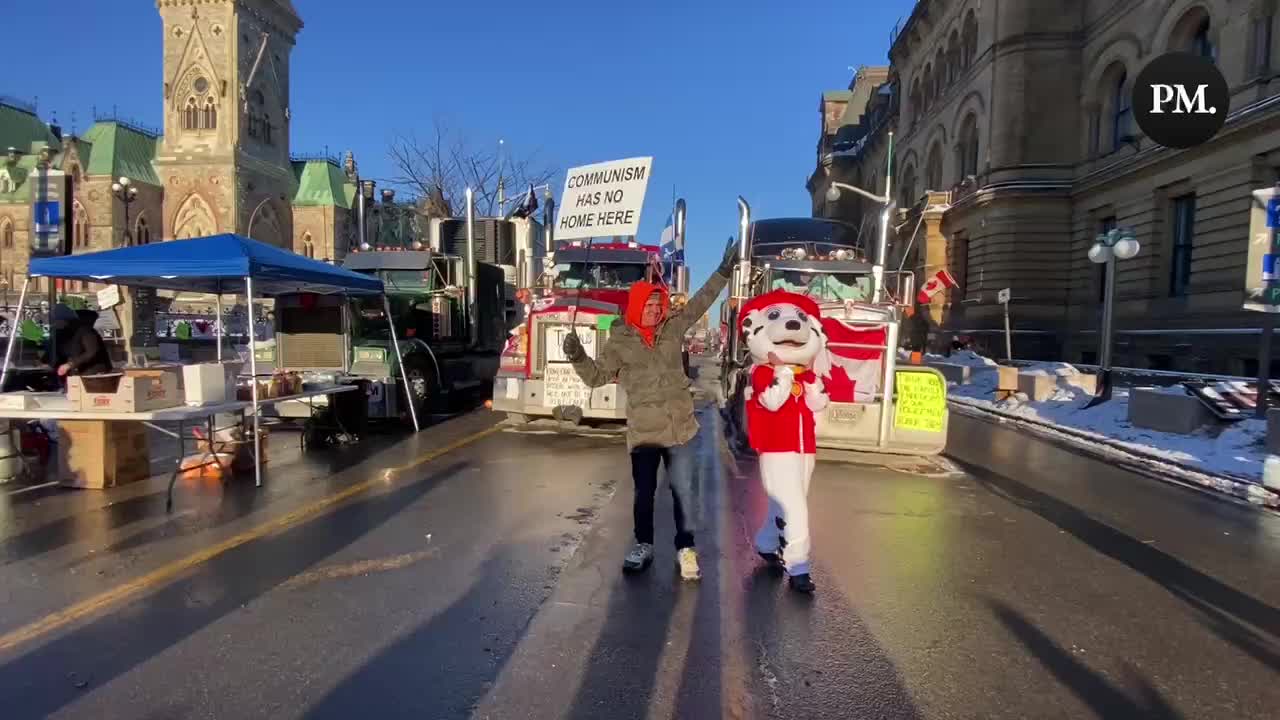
x,y
1227,458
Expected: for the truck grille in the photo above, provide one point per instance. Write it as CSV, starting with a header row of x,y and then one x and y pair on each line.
x,y
309,338
541,335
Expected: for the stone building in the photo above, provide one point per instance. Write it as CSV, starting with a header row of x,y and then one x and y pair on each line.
x,y
1017,145
853,147
221,164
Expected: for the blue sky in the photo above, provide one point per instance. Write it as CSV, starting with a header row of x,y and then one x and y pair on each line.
x,y
724,95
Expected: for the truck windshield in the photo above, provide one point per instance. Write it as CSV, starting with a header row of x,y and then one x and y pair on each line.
x,y
407,280
830,287
613,276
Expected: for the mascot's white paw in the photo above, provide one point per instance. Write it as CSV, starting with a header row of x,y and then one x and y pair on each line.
x,y
815,395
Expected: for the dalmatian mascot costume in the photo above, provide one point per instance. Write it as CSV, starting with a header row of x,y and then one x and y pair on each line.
x,y
783,332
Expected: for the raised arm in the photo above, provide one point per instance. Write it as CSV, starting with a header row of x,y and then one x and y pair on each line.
x,y
702,300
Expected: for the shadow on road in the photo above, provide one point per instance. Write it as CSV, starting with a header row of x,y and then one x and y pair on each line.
x,y
35,684
1225,610
1090,687
445,665
648,614
623,664
813,656
700,694
78,525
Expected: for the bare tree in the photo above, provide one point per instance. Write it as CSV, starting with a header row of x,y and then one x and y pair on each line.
x,y
440,167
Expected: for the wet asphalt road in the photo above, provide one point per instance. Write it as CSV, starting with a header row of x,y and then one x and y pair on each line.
x,y
483,582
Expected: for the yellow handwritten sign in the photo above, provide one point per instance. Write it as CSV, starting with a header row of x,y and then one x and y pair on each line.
x,y
922,401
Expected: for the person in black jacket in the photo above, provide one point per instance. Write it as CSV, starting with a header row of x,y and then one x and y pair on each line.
x,y
85,352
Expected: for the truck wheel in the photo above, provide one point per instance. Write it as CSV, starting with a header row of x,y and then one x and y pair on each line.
x,y
424,392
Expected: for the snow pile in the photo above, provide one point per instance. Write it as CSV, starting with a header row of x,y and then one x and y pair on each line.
x,y
967,358
1236,450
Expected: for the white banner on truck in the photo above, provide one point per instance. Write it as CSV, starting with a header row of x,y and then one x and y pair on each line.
x,y
603,200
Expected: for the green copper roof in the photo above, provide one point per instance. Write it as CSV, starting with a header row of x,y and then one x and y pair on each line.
x,y
18,172
121,150
321,183
20,128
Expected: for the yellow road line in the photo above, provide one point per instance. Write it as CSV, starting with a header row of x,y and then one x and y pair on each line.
x,y
165,573
359,568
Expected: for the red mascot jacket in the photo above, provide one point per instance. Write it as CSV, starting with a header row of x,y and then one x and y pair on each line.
x,y
790,428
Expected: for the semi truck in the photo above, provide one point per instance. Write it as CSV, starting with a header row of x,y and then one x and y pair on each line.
x,y
862,309
584,290
451,286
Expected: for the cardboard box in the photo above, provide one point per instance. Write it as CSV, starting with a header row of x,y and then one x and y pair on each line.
x,y
134,390
209,383
100,454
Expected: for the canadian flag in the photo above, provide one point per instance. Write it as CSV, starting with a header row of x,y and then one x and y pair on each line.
x,y
934,285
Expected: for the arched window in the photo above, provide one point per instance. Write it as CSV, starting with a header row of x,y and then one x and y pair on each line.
x,y
943,78
1200,42
6,234
308,249
1121,113
79,227
210,115
967,148
266,128
916,100
190,115
907,188
969,40
953,56
933,170
141,232
1192,34
929,87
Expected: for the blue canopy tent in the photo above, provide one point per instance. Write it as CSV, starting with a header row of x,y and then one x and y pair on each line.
x,y
217,264
210,265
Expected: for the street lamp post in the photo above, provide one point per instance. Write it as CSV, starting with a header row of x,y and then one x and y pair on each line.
x,y
1116,244
126,193
886,200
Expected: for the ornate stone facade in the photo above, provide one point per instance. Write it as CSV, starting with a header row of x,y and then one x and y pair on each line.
x,y
1017,118
221,164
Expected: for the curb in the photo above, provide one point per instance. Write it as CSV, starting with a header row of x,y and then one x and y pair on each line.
x,y
1225,486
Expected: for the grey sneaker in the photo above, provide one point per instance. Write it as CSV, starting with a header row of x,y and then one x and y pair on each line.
x,y
687,559
638,558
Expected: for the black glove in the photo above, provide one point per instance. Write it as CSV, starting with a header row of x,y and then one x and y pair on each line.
x,y
730,257
573,347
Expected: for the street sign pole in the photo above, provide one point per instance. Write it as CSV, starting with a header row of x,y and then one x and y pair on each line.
x,y
1004,296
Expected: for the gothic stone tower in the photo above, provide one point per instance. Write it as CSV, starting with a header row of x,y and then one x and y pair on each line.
x,y
224,157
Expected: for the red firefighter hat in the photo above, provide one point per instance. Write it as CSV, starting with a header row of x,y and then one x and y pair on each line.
x,y
778,297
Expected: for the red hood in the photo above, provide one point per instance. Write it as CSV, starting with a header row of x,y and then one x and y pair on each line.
x,y
636,299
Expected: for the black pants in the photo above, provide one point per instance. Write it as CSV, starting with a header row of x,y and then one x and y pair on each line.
x,y
644,470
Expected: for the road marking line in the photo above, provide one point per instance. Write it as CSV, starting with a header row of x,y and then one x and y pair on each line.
x,y
163,574
358,568
32,487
